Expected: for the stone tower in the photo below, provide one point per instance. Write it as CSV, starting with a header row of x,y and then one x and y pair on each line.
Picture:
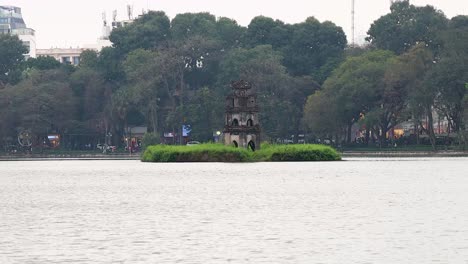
x,y
242,127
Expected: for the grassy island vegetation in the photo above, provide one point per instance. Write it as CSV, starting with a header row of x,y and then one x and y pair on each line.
x,y
222,153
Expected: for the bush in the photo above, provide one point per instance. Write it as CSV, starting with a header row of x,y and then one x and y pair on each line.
x,y
303,152
196,153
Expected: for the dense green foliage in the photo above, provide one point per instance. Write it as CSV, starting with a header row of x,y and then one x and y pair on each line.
x,y
222,153
197,153
296,152
150,139
11,56
163,74
407,25
414,71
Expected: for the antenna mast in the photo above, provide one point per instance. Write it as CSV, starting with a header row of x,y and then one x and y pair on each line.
x,y
104,18
352,21
130,12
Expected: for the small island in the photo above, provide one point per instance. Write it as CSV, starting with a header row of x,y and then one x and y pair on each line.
x,y
223,153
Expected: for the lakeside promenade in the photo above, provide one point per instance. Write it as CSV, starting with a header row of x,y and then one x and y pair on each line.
x,y
71,156
403,154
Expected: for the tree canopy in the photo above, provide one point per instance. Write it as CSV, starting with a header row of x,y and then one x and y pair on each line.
x,y
407,25
11,57
165,73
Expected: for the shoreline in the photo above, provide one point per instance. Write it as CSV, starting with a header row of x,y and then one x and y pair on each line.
x,y
137,156
403,154
33,157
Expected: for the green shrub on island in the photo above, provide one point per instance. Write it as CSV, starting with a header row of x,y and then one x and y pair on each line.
x,y
196,153
296,152
222,153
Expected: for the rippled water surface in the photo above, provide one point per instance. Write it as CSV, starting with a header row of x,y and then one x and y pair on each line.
x,y
357,211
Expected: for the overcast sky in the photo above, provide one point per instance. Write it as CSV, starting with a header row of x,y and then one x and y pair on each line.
x,y
65,23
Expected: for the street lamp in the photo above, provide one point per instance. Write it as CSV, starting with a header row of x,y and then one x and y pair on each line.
x,y
216,135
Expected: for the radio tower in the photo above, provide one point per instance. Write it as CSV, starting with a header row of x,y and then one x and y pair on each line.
x,y
352,21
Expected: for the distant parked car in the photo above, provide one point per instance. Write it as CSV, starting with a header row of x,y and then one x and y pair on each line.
x,y
192,143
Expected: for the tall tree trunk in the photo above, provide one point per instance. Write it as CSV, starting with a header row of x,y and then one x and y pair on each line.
x,y
430,128
383,136
367,136
348,133
154,117
416,132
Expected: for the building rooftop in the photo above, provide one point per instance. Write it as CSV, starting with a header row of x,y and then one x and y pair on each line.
x,y
11,16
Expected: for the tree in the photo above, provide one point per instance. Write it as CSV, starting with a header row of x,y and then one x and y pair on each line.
x,y
187,25
355,91
201,57
407,25
110,66
459,22
315,49
43,63
90,90
266,31
204,113
43,103
12,53
320,115
418,62
143,83
229,33
89,59
449,75
147,32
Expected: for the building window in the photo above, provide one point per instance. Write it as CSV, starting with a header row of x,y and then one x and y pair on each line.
x,y
76,60
66,60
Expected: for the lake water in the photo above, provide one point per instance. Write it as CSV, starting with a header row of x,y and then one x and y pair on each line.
x,y
356,211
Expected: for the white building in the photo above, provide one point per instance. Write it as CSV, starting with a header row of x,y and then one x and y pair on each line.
x,y
72,55
11,22
63,55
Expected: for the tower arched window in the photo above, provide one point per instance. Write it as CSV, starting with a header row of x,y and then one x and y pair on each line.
x,y
235,122
249,123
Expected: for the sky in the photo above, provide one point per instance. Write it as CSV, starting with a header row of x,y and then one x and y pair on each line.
x,y
75,23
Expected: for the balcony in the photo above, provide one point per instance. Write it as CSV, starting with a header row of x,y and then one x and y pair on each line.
x,y
232,109
242,129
